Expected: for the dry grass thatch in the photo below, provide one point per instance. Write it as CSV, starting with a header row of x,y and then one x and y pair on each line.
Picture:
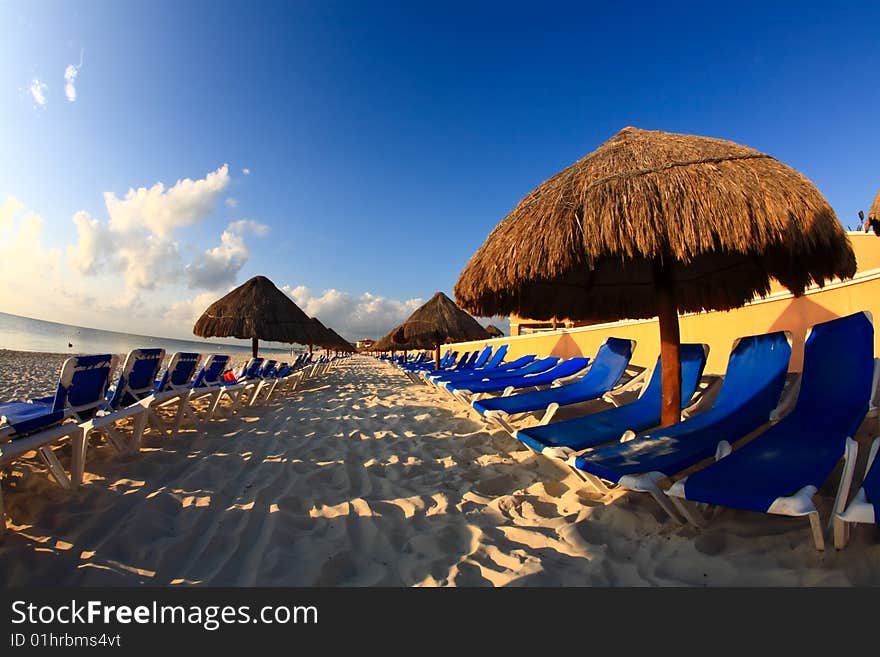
x,y
256,309
874,212
322,338
431,324
342,344
721,218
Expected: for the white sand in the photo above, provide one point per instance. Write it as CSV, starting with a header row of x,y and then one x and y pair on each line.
x,y
368,480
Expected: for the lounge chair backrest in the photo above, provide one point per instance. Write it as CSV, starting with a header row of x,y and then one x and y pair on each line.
x,y
483,357
611,361
83,383
469,364
252,369
267,368
693,361
497,357
211,372
179,372
137,378
838,370
755,374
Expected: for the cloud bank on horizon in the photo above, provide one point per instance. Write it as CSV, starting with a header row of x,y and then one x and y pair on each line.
x,y
131,266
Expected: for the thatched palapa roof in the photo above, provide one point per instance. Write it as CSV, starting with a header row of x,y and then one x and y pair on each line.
x,y
874,212
256,309
720,218
341,343
431,324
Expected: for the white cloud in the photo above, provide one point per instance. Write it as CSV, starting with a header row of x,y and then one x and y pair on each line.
x,y
38,91
69,82
160,210
70,74
32,281
246,171
187,311
366,316
95,243
138,242
219,266
232,203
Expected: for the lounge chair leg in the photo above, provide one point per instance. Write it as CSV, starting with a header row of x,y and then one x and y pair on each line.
x,y
816,526
850,452
80,444
178,418
666,505
114,438
593,480
55,467
505,425
689,512
2,511
214,405
841,533
140,425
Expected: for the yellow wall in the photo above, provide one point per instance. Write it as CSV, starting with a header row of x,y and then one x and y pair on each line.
x,y
779,311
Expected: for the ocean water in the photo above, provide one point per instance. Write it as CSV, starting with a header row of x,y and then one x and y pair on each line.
x,y
26,334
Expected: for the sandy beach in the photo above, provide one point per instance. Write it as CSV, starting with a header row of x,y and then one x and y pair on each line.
x,y
366,479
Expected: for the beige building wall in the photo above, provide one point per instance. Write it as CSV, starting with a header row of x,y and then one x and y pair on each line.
x,y
779,311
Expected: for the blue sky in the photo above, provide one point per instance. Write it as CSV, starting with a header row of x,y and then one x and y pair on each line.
x,y
358,153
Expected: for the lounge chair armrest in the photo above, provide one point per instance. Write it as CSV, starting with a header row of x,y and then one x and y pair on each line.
x,y
636,381
787,401
702,402
549,413
722,449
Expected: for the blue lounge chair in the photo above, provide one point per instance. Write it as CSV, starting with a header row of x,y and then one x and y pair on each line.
x,y
433,376
781,470
538,373
267,376
445,361
235,390
137,381
510,368
39,424
562,439
756,373
865,504
173,387
605,371
207,383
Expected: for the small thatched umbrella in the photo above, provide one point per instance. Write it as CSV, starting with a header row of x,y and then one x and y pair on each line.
x,y
652,224
432,324
494,331
873,220
257,310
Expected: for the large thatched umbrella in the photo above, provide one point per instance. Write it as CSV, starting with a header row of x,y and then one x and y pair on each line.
x,y
322,337
257,310
432,324
341,343
652,224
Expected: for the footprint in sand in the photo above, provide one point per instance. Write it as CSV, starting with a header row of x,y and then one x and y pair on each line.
x,y
495,486
337,569
710,543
